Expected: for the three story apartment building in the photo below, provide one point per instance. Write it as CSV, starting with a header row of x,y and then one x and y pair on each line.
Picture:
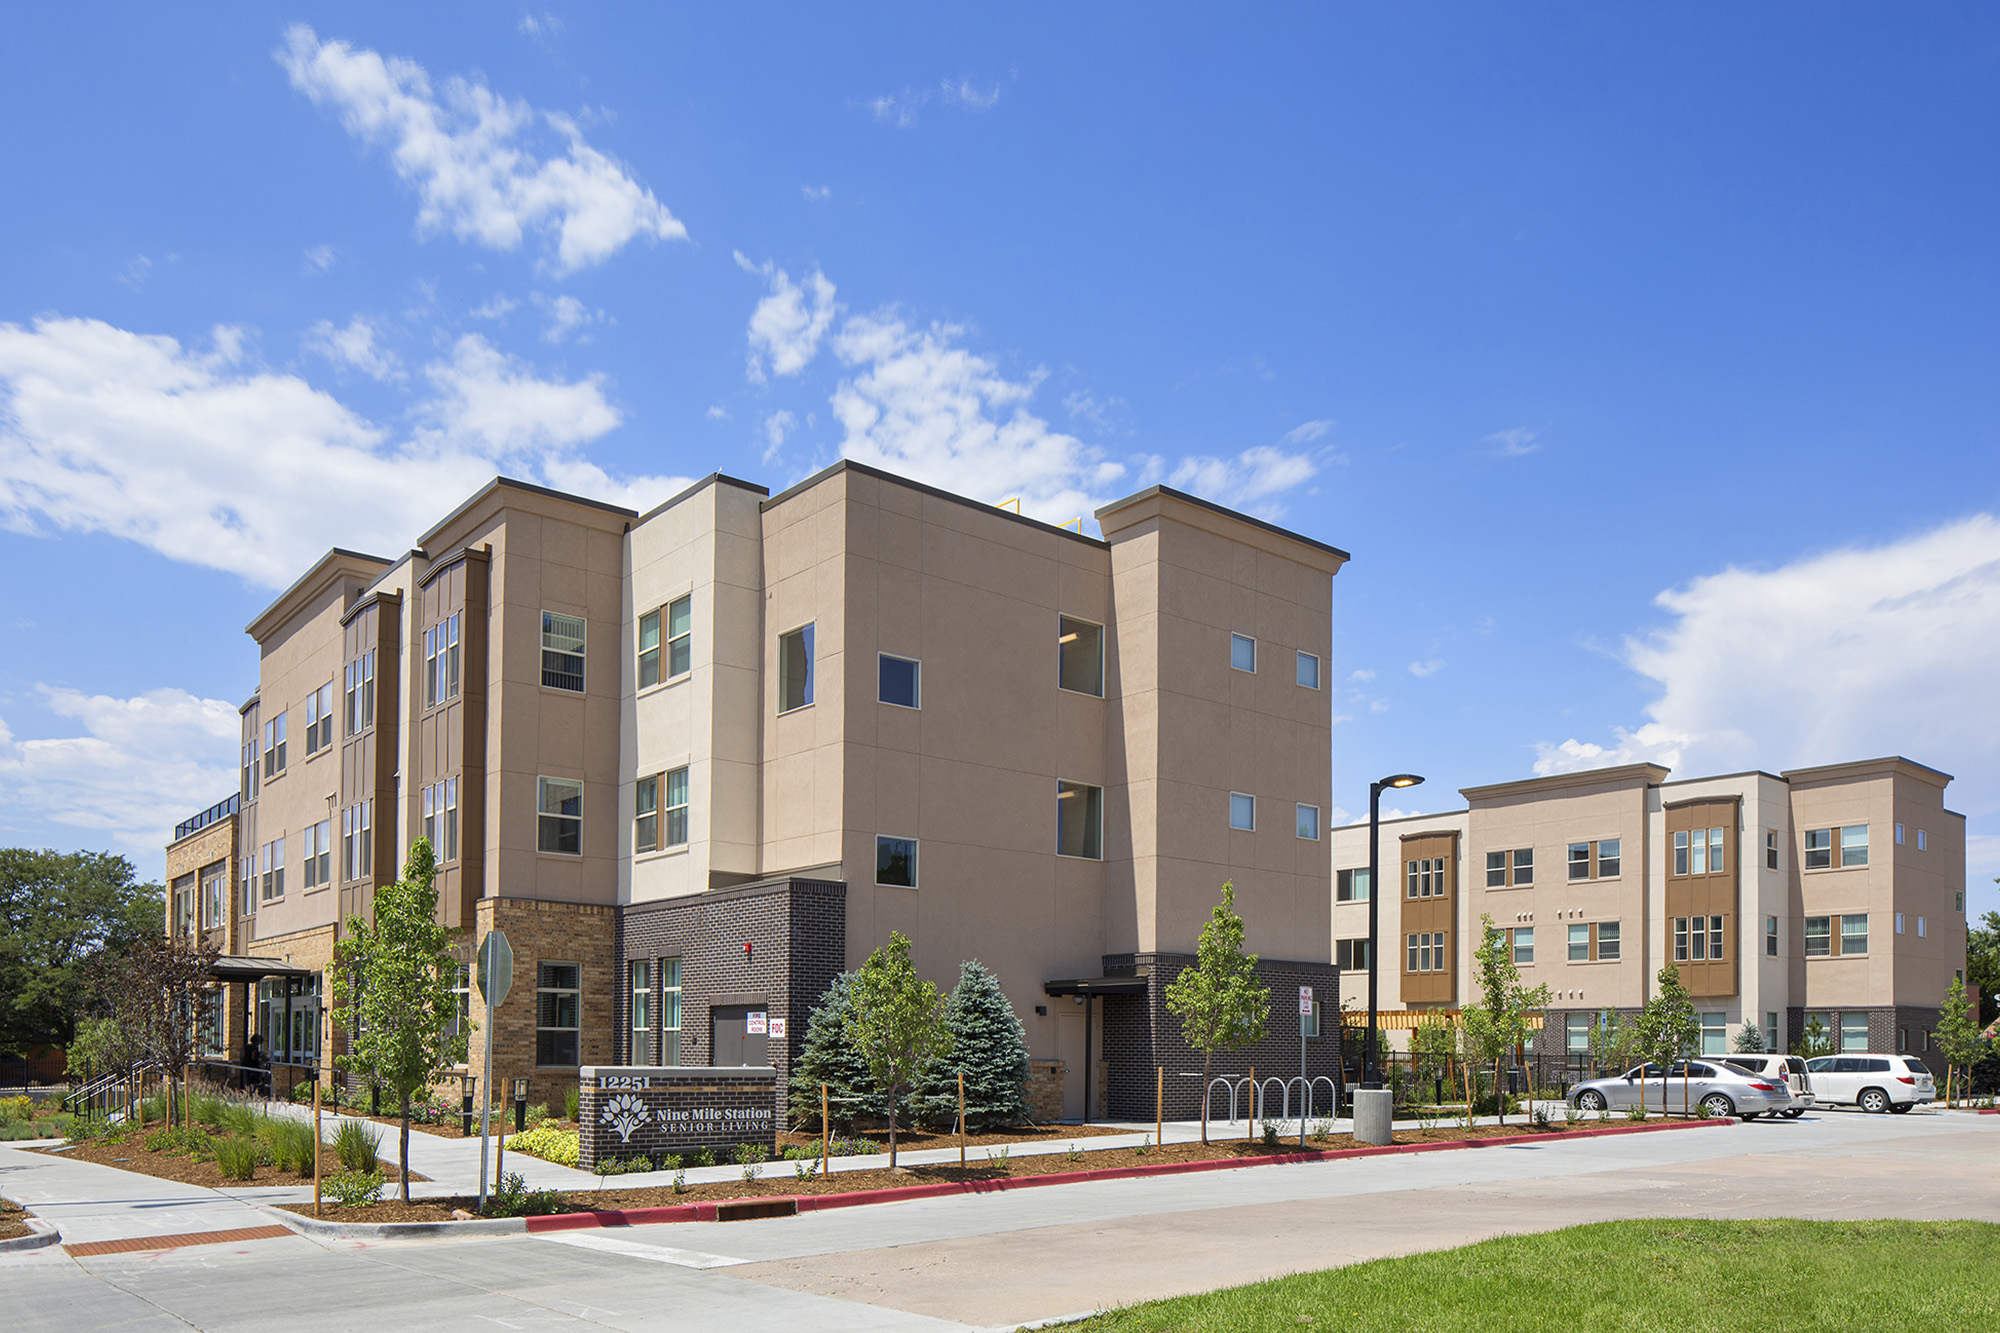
x,y
1834,893
697,761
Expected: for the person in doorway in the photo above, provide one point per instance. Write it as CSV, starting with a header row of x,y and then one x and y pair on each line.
x,y
253,1062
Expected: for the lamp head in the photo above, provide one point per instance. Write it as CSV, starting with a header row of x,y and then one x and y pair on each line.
x,y
1400,780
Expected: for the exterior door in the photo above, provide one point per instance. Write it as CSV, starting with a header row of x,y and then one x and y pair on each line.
x,y
731,1041
1069,1049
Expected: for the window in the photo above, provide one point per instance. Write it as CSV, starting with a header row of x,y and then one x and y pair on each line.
x,y
1309,822
1715,1034
896,680
1853,1032
646,815
1080,656
1516,867
677,657
1594,860
183,890
1426,952
319,719
316,868
670,1011
677,807
1524,946
1608,860
1577,1033
1579,860
274,869
1770,1029
1242,652
1899,835
1351,955
1959,901
449,820
1902,1034
214,895
1607,941
896,862
1309,670
1922,933
1854,934
1424,877
441,660
1242,812
1699,852
795,668
1819,848
1079,820
1923,842
248,784
356,842
1854,845
560,826
647,832
1770,937
427,815
1524,865
649,650
557,1004
250,882
1309,1023
357,683
1770,849
1698,939
440,819
274,747
1899,923
640,971
1579,943
1819,936
1351,886
562,651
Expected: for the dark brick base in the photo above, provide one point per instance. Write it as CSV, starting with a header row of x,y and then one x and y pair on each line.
x,y
628,1112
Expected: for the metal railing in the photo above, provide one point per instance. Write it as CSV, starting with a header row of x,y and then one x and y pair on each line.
x,y
215,814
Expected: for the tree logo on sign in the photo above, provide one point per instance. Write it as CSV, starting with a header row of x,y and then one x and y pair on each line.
x,y
625,1114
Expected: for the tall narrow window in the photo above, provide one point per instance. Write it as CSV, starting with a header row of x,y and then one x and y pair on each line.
x,y
319,719
1579,860
431,694
1714,939
558,992
1309,822
795,668
562,651
1770,1029
641,979
214,894
1607,941
1608,860
670,1011
1242,812
1770,937
1242,652
677,807
1309,669
427,816
1819,936
449,819
896,680
646,815
1080,656
274,747
1496,870
649,649
1770,849
896,862
1524,865
358,689
560,825
1854,935
680,636
1579,942
1079,820
274,869
1819,848
1854,845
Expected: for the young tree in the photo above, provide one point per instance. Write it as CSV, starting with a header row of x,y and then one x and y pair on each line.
x,y
1220,1002
1959,1037
1503,1018
1668,1028
1982,964
392,984
1814,1040
897,1023
1613,1043
829,1056
58,912
989,1047
1433,1042
1749,1040
161,992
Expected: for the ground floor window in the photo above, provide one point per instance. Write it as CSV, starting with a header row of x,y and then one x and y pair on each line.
x,y
1771,1030
640,972
1578,1033
1715,1034
461,990
670,1011
558,990
1854,1032
288,1019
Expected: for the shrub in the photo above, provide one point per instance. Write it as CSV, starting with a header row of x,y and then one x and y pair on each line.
x,y
1271,1134
16,1108
300,1093
242,1120
1487,1103
838,1145
15,1131
193,1143
237,1158
357,1144
1541,1115
747,1153
572,1099
614,1166
515,1199
537,1114
292,1143
701,1157
206,1110
153,1106
561,1146
804,1169
353,1189
989,1047
669,1161
829,1055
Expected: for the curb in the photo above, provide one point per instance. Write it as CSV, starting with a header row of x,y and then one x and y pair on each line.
x,y
813,1203
320,1227
40,1235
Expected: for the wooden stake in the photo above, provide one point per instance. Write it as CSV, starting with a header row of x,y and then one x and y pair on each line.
x,y
317,1141
961,1117
1160,1108
1250,1119
825,1134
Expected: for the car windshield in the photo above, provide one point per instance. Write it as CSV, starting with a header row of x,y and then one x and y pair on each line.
x,y
1918,1067
1820,1065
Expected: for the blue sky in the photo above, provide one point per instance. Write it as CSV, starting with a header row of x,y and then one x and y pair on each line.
x,y
1644,360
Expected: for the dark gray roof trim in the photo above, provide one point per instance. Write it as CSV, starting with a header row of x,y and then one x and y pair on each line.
x,y
1227,512
712,479
532,489
865,470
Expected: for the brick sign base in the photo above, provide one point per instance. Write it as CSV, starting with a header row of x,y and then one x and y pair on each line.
x,y
626,1112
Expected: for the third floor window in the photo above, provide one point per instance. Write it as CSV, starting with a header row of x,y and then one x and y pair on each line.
x,y
319,719
441,661
274,747
1080,656
562,651
357,684
666,642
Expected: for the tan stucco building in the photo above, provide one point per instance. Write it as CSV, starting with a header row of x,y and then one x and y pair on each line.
x,y
1835,893
696,761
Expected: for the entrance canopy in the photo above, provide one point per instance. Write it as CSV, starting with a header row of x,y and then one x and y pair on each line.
x,y
237,967
1096,986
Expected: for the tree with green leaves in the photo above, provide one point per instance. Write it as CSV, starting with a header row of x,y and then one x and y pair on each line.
x,y
897,1022
161,994
58,911
989,1047
1982,964
392,986
1221,1004
1959,1037
1749,1040
829,1056
1813,1040
1433,1043
1668,1029
1504,1018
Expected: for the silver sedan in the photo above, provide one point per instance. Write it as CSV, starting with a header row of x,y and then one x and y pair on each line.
x,y
1689,1083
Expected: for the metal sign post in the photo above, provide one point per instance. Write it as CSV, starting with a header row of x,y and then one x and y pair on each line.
x,y
1305,1089
496,977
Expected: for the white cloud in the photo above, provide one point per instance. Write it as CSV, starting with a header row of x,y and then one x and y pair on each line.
x,y
1307,432
215,463
1513,443
1364,674
544,25
1429,667
816,193
787,325
921,405
776,427
135,273
1847,654
470,155
353,348
496,309
717,412
317,259
1251,480
566,315
138,767
900,109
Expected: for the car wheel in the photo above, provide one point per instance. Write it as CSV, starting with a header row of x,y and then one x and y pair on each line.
x,y
1794,1113
1748,1116
1902,1108
1591,1101
1718,1104
1873,1100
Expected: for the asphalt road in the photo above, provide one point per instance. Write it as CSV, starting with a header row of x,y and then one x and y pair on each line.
x,y
999,1260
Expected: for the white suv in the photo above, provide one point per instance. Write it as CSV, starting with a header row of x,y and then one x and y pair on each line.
x,y
1874,1083
1787,1069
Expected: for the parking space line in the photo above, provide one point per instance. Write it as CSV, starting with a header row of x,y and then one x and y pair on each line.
x,y
659,1254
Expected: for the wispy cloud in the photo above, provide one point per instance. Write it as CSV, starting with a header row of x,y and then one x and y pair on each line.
x,y
495,309
1363,673
135,273
787,325
1428,667
566,315
1514,443
777,427
473,157
900,108
317,259
1252,480
816,194
353,348
1306,432
718,413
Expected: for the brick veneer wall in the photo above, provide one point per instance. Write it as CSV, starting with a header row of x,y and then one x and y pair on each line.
x,y
797,932
1045,1090
678,1110
580,933
1141,1034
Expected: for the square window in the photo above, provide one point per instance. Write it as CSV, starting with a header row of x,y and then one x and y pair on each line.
x,y
1080,656
896,680
1579,943
1854,845
1819,848
1242,652
1242,812
1079,820
896,862
1496,870
1579,860
1819,936
1309,670
1607,858
562,652
1351,886
1607,941
795,668
559,803
1309,822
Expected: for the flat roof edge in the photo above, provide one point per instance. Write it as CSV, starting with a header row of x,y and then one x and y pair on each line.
x,y
937,492
712,479
1226,512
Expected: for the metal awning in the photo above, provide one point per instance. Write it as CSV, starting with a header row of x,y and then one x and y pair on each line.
x,y
1126,985
237,967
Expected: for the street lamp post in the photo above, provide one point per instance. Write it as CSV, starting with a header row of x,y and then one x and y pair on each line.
x,y
1370,1076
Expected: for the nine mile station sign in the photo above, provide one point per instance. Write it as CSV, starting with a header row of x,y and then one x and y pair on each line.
x,y
629,1112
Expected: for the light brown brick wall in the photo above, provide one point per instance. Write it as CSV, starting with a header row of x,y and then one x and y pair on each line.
x,y
559,933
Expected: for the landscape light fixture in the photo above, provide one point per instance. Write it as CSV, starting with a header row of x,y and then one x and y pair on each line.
x,y
1370,1076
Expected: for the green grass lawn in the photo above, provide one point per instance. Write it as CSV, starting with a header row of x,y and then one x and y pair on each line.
x,y
1733,1277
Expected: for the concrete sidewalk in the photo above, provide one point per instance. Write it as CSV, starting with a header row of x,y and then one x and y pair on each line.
x,y
92,1203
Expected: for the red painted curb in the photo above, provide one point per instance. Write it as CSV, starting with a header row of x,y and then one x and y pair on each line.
x,y
814,1203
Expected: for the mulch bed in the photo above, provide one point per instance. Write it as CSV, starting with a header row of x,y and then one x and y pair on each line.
x,y
779,1178
912,1139
132,1155
13,1221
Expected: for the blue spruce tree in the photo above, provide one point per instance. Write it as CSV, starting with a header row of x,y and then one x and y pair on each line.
x,y
830,1056
989,1047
